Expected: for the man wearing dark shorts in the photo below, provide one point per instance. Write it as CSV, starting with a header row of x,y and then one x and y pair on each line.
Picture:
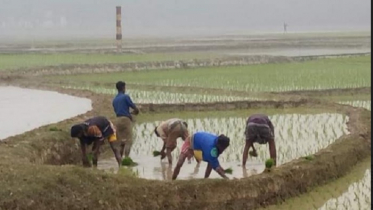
x,y
122,103
259,129
95,130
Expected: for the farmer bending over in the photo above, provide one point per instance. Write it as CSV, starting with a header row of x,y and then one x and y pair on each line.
x,y
169,131
122,103
203,146
259,129
95,130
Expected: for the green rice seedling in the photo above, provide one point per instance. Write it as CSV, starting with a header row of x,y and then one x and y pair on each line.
x,y
128,162
269,163
228,170
156,153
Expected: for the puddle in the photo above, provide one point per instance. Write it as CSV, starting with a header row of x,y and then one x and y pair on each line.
x,y
297,135
27,109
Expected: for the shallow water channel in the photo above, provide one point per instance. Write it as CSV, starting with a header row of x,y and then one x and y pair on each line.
x,y
296,135
26,109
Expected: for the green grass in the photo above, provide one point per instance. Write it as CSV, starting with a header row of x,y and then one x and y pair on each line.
x,y
14,61
319,74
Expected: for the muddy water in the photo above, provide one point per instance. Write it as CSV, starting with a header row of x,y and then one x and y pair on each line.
x,y
26,109
296,135
351,192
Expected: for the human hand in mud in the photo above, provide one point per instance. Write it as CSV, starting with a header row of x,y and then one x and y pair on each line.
x,y
163,155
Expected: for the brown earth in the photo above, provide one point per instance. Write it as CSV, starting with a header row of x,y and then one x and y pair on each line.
x,y
29,181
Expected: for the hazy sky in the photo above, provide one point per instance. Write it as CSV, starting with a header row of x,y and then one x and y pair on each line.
x,y
178,17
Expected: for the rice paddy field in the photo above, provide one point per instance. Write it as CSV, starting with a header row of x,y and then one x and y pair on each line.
x,y
330,73
12,61
352,191
163,97
299,133
363,104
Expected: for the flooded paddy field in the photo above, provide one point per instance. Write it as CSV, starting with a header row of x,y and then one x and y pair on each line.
x,y
351,72
363,104
353,191
163,97
296,135
27,109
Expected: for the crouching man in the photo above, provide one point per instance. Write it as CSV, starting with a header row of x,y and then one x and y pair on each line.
x,y
203,146
169,131
95,130
259,129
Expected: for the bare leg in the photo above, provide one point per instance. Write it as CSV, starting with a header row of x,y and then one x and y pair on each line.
x,y
96,152
122,145
163,154
116,153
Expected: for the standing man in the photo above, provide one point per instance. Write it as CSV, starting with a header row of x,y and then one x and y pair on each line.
x,y
122,104
285,27
95,130
259,129
203,146
169,131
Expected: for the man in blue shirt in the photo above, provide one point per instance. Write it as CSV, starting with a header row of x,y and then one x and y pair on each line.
x,y
203,146
122,104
